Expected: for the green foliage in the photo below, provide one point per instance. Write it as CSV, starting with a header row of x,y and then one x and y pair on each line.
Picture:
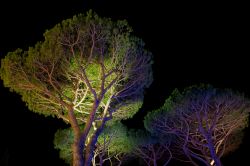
x,y
62,141
119,139
141,138
176,100
127,112
14,58
50,72
165,110
114,139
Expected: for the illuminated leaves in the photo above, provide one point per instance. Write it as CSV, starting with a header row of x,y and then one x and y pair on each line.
x,y
204,120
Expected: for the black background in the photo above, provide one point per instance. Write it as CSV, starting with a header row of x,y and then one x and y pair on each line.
x,y
192,43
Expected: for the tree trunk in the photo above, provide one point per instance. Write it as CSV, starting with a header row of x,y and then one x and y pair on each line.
x,y
155,163
216,161
215,158
77,146
77,153
89,151
89,154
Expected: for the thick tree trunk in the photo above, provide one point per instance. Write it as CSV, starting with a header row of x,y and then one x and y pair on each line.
x,y
89,151
216,161
78,159
77,146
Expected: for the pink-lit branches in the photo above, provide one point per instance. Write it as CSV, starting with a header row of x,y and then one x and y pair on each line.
x,y
203,121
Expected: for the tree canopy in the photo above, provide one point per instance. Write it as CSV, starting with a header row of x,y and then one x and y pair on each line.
x,y
81,50
88,70
205,122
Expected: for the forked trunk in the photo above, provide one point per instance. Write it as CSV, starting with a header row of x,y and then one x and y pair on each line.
x,y
77,153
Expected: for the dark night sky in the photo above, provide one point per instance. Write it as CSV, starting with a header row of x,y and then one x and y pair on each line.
x,y
191,43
